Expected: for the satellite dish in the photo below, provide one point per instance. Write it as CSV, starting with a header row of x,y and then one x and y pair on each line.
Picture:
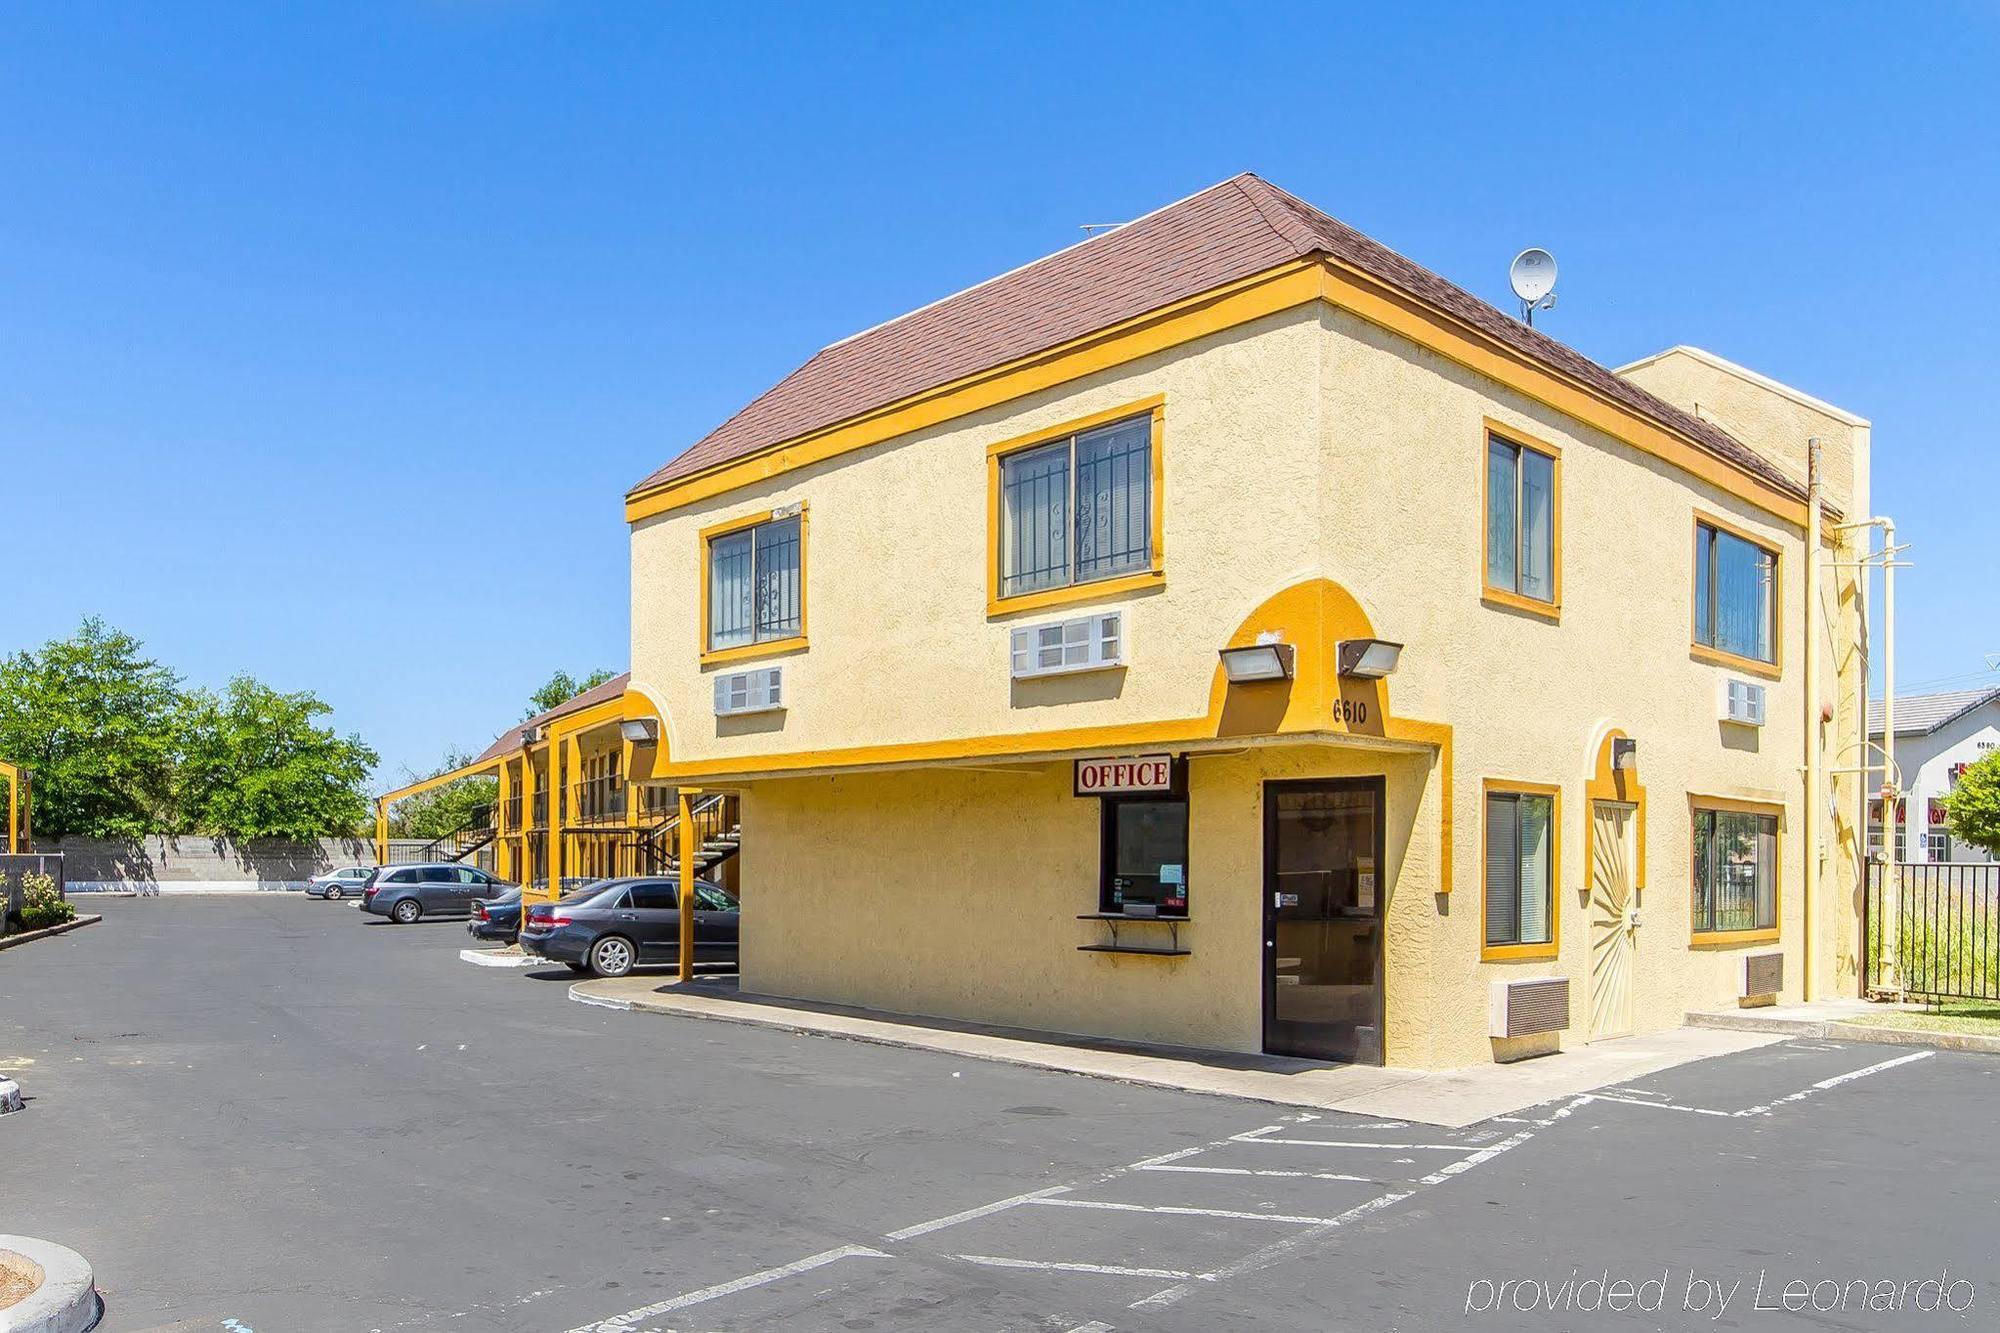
x,y
1533,275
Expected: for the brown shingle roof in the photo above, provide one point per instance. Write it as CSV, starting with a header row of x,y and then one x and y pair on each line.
x,y
510,740
1232,230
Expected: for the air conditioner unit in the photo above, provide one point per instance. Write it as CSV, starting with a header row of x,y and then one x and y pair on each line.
x,y
1086,643
759,691
1525,1008
1742,702
1762,974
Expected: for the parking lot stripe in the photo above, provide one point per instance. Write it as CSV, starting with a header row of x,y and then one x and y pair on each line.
x,y
1155,1163
1102,1270
1175,1210
1254,1171
1836,1081
620,1323
984,1210
1271,1253
1342,1143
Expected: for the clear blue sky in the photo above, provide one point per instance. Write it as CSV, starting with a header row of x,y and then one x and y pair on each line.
x,y
330,335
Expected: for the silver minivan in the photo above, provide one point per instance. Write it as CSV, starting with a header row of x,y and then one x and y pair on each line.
x,y
410,893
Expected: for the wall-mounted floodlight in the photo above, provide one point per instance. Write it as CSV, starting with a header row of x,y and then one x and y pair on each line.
x,y
527,737
1624,754
1368,659
1257,661
639,730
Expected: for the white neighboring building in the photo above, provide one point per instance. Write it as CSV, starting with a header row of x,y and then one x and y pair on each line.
x,y
1937,735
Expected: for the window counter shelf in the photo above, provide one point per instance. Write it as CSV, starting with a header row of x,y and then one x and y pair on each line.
x,y
1117,919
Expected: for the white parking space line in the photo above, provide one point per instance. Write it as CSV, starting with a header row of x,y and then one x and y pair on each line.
x,y
1836,1081
1094,1326
623,1322
1342,1143
1101,1270
1177,1210
1662,1106
1270,1254
1256,1171
971,1214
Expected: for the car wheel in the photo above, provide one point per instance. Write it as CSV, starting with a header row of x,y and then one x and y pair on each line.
x,y
333,892
406,912
611,956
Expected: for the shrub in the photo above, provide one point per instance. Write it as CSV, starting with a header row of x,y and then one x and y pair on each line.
x,y
42,903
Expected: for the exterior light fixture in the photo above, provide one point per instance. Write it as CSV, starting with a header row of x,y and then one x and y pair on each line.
x,y
1256,662
639,730
1368,659
1624,754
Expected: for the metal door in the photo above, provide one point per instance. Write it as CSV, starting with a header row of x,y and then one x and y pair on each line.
x,y
1614,917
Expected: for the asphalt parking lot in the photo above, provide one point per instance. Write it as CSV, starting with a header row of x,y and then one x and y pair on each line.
x,y
267,1113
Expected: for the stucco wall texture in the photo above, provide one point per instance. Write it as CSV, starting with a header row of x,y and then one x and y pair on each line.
x,y
1307,445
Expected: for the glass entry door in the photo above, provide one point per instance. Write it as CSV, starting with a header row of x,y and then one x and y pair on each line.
x,y
1323,890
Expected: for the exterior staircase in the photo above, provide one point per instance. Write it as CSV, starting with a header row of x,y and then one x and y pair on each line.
x,y
718,833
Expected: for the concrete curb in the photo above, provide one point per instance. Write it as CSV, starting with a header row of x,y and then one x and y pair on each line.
x,y
66,1302
1838,1030
10,1097
494,958
30,936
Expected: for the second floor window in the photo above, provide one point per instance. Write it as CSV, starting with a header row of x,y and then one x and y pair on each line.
x,y
1735,606
1077,509
1520,520
756,586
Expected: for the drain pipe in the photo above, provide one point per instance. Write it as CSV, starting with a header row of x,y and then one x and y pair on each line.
x,y
1809,909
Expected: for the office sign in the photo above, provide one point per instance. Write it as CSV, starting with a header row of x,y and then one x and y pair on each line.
x,y
1124,777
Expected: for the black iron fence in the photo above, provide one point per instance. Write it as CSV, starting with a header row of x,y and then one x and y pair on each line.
x,y
1933,929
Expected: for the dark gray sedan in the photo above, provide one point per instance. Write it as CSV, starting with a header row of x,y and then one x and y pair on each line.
x,y
406,894
630,923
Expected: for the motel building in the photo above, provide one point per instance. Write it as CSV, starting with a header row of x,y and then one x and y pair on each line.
x,y
1225,632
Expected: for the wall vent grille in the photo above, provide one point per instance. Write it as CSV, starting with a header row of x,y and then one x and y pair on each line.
x,y
1525,1008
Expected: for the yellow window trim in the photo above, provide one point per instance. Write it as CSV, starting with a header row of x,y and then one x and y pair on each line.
x,y
1511,953
769,647
1699,801
1508,597
996,605
1228,306
1701,652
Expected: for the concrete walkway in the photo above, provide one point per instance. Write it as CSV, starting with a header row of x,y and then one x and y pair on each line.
x,y
1832,1018
1450,1098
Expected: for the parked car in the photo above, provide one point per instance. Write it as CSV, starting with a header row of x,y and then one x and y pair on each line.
x,y
500,918
439,888
628,923
337,884
496,918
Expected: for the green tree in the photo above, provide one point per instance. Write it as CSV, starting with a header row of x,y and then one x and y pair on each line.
x,y
562,687
1972,810
95,718
441,810
256,763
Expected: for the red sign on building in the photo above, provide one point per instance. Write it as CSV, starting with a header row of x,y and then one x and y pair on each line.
x,y
1121,777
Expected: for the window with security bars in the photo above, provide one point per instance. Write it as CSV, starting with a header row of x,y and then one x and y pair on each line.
x,y
1077,509
756,585
1086,643
1735,603
1520,868
1735,871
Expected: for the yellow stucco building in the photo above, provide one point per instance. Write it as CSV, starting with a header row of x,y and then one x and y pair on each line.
x,y
1225,632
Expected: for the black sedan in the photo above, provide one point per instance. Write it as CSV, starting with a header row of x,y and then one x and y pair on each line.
x,y
627,923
